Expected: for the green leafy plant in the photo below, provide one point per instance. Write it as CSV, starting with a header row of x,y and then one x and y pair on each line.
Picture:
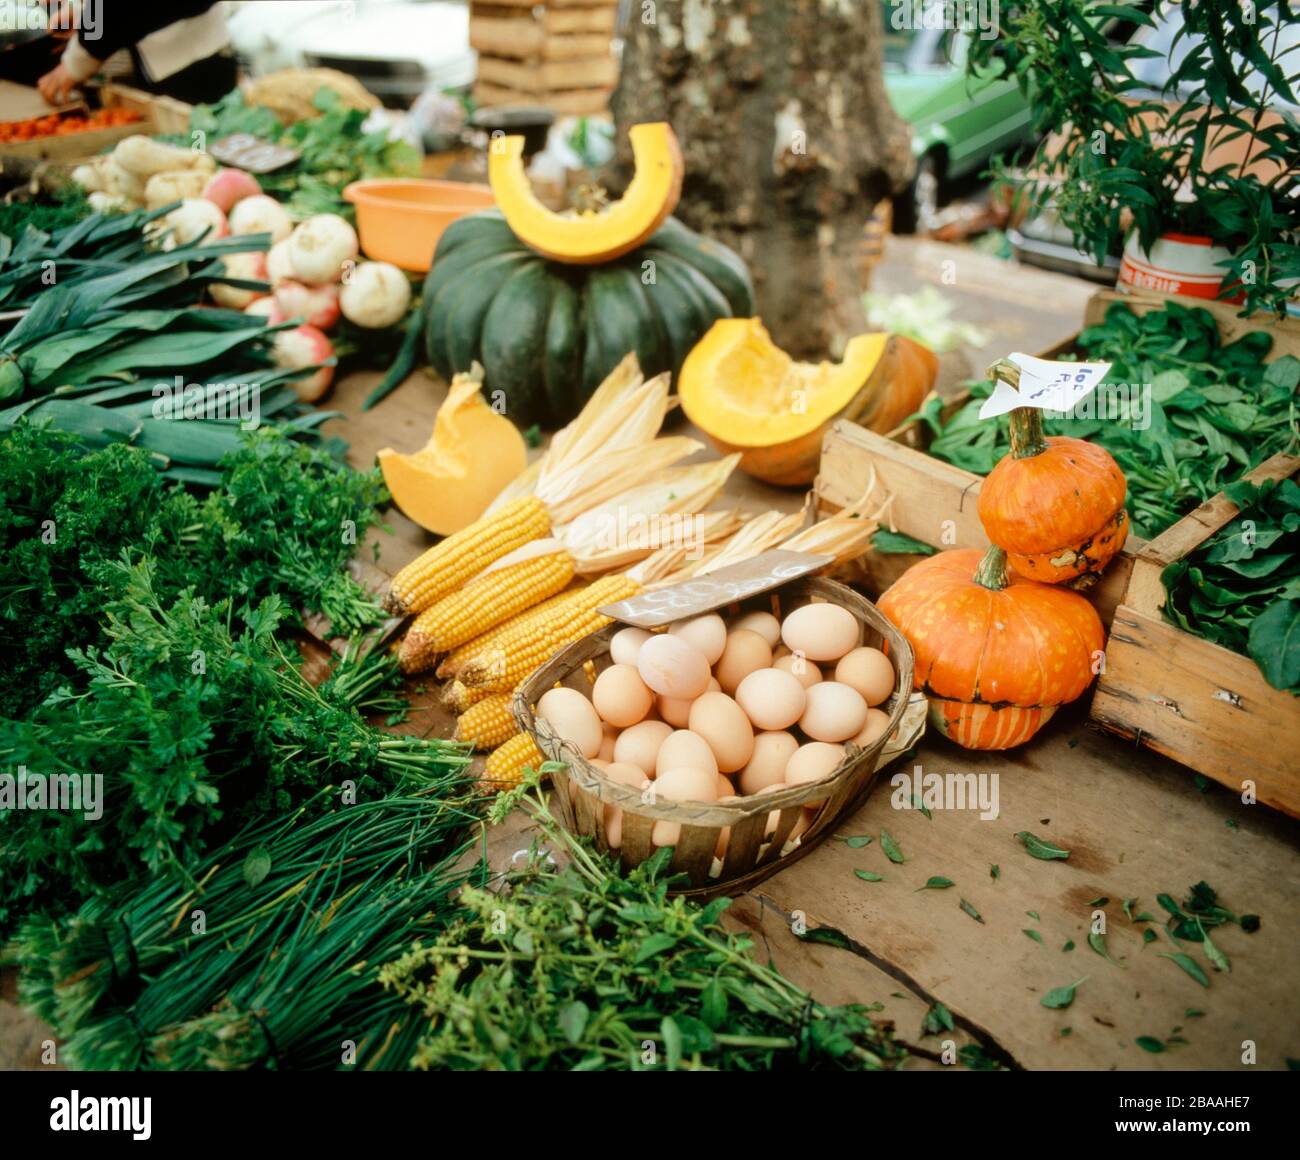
x,y
284,521
1115,156
1241,588
335,150
587,968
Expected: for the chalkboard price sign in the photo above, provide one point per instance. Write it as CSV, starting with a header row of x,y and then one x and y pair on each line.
x,y
252,154
729,585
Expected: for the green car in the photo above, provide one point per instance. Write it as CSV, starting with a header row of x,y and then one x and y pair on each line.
x,y
959,122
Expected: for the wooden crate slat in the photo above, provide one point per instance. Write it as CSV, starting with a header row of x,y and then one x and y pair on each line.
x,y
1201,704
576,102
549,76
526,40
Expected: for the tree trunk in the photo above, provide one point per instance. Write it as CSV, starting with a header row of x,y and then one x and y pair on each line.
x,y
788,138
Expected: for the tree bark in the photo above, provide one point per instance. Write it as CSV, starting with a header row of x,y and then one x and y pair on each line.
x,y
788,138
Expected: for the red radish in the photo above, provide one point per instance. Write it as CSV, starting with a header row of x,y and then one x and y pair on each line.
x,y
249,266
319,246
306,346
192,219
375,294
266,307
278,266
260,215
228,186
315,305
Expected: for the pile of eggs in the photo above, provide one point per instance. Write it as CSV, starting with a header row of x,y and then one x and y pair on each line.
x,y
711,711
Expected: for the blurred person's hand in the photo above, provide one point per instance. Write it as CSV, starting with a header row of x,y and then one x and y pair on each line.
x,y
56,84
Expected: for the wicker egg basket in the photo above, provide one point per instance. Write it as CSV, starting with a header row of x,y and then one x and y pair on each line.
x,y
751,855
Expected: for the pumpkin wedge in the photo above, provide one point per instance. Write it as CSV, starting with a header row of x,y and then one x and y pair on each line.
x,y
472,454
749,396
587,238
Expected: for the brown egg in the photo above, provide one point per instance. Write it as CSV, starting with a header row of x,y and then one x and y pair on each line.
x,y
813,762
764,623
725,788
766,765
877,724
681,785
746,652
833,712
573,718
798,666
822,632
640,744
625,645
723,724
621,697
677,711
683,749
707,633
771,699
672,667
869,671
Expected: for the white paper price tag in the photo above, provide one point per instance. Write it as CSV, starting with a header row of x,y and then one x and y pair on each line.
x,y
1045,384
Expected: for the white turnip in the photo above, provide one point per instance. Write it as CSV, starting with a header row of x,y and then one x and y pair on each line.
x,y
251,267
316,305
192,219
266,307
306,346
260,215
319,246
375,294
278,267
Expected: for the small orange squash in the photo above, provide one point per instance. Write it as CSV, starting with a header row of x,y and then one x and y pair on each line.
x,y
471,455
1056,504
748,395
995,654
598,236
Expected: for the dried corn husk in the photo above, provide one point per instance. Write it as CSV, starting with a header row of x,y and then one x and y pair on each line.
x,y
847,533
671,561
631,526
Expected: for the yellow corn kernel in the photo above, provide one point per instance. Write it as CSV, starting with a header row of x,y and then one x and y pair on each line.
x,y
488,723
448,565
504,768
503,665
455,660
482,604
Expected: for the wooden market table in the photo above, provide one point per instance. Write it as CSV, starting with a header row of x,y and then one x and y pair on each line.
x,y
1137,825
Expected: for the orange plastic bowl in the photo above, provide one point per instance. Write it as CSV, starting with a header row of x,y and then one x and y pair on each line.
x,y
400,220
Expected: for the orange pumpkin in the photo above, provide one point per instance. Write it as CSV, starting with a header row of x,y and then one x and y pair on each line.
x,y
1056,504
995,654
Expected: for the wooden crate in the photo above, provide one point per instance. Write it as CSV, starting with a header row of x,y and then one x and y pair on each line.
x,y
1189,698
559,55
158,115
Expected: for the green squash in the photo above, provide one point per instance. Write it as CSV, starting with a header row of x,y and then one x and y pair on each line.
x,y
547,334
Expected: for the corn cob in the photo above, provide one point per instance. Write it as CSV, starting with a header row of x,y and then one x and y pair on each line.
x,y
455,660
488,723
482,604
457,698
513,655
446,566
505,765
